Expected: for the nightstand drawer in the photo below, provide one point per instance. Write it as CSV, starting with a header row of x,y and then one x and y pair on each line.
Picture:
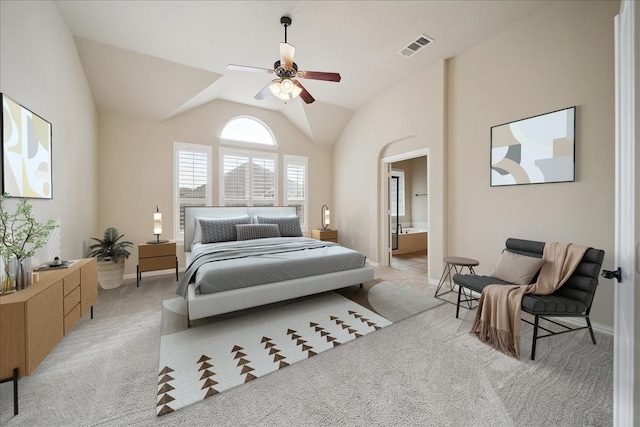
x,y
325,235
157,263
156,250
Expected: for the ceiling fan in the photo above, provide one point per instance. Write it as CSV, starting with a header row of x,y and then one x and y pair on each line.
x,y
286,87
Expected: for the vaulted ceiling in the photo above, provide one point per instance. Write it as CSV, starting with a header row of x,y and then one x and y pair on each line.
x,y
157,59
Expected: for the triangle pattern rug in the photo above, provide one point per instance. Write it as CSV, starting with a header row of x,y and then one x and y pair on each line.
x,y
222,352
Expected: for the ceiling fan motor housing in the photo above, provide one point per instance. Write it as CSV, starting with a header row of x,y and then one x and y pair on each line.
x,y
283,71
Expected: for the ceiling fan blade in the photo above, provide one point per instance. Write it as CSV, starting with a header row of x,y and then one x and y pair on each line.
x,y
319,75
286,54
306,96
249,68
263,93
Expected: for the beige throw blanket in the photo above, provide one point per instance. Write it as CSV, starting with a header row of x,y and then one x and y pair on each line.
x,y
497,321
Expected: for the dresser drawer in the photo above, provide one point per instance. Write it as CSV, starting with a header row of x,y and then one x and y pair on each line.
x,y
71,319
71,300
71,281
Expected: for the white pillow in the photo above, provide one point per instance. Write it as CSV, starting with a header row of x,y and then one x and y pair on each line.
x,y
197,238
517,269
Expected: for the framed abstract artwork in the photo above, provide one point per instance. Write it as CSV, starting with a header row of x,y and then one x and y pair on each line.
x,y
536,150
26,152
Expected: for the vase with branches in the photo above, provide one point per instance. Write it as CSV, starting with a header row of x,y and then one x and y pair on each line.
x,y
21,235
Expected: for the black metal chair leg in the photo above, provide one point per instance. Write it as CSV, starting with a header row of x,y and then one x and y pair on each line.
x,y
593,337
458,305
535,338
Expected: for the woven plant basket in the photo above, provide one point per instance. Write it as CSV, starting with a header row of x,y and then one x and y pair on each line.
x,y
110,273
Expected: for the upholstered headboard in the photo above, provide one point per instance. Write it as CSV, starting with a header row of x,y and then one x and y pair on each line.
x,y
193,212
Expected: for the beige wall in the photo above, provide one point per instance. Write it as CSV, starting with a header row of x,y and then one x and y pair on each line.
x,y
40,68
407,118
560,57
136,166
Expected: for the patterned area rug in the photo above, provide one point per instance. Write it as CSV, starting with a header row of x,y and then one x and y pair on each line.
x,y
225,351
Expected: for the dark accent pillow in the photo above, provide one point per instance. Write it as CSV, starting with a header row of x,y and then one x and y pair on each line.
x,y
257,231
221,230
289,225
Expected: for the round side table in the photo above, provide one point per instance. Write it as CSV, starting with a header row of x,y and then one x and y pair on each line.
x,y
454,265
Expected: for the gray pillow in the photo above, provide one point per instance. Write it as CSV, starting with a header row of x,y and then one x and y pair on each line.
x,y
289,226
515,268
221,229
257,231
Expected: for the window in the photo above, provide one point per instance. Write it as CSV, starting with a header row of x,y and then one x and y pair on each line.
x,y
248,178
248,131
192,181
296,173
399,190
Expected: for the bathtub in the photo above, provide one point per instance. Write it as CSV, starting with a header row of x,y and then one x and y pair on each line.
x,y
412,240
413,230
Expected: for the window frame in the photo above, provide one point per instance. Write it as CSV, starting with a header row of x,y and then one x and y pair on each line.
x,y
193,148
272,146
402,193
288,159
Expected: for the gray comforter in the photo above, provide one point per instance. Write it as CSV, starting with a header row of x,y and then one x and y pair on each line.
x,y
231,265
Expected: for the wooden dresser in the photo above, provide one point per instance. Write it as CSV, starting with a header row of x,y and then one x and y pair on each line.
x,y
34,320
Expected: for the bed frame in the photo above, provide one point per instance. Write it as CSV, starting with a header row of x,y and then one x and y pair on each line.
x,y
206,305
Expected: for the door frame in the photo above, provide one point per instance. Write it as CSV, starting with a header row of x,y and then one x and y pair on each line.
x,y
626,296
385,205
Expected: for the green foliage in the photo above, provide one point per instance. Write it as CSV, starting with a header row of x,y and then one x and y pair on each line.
x,y
20,234
109,247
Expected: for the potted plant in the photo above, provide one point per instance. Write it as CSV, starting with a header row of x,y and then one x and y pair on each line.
x,y
20,236
111,253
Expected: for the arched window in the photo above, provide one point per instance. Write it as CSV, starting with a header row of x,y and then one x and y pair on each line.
x,y
245,129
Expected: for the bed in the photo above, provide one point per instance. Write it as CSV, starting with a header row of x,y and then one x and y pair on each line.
x,y
242,257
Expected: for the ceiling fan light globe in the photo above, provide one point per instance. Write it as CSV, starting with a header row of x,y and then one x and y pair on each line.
x,y
296,91
287,85
275,88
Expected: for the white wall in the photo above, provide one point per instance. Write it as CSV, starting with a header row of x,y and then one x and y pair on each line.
x,y
40,69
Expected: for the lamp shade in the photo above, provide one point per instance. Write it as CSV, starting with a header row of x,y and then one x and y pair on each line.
x,y
157,223
326,216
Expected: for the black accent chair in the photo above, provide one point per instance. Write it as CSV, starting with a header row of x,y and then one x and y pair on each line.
x,y
573,299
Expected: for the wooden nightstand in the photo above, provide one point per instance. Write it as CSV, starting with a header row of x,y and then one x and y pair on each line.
x,y
325,235
156,256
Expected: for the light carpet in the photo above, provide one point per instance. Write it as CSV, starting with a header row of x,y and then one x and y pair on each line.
x,y
230,350
425,370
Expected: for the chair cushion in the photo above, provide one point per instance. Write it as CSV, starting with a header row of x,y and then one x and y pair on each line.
x,y
477,283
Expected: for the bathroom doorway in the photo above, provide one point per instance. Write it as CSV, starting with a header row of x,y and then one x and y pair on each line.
x,y
409,214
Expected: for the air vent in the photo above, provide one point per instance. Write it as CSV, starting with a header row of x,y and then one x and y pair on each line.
x,y
413,47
